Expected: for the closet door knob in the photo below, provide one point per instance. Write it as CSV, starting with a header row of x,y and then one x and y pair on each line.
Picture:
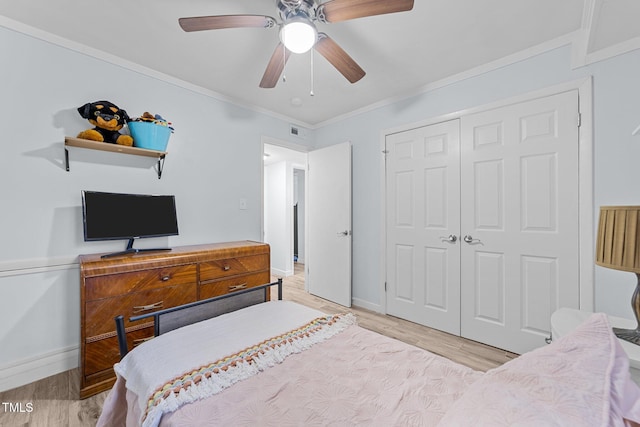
x,y
452,238
470,239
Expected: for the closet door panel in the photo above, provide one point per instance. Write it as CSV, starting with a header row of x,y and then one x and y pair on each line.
x,y
519,198
422,212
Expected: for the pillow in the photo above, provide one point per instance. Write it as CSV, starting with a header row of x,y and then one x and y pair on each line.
x,y
582,379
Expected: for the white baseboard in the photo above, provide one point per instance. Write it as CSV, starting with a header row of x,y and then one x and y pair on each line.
x,y
281,273
39,367
367,305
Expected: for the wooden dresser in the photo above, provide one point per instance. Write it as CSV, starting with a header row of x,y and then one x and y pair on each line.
x,y
145,282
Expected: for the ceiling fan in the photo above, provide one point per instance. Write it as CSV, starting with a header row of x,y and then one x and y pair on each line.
x,y
298,32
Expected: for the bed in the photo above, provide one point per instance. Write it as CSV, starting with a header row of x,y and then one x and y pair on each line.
x,y
279,363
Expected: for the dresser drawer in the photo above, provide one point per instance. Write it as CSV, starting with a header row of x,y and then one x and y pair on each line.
x,y
225,286
217,269
123,283
102,354
100,313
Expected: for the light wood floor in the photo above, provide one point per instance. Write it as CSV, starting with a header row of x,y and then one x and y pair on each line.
x,y
55,399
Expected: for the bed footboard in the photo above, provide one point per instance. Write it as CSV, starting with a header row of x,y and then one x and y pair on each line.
x,y
172,318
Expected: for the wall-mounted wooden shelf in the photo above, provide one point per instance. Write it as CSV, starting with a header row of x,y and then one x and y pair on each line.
x,y
114,148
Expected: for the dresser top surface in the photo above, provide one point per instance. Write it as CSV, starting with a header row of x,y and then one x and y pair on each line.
x,y
94,264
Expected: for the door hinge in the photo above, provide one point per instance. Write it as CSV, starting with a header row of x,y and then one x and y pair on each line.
x,y
579,119
385,286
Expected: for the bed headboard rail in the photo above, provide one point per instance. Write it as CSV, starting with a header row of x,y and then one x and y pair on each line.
x,y
173,318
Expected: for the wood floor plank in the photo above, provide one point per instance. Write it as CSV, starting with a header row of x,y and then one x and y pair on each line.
x,y
86,412
55,399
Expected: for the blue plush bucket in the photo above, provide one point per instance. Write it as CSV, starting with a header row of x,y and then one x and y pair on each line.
x,y
149,135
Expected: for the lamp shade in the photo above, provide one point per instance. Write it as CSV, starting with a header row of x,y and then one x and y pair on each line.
x,y
618,241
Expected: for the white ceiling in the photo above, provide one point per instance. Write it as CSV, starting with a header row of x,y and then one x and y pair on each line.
x,y
403,53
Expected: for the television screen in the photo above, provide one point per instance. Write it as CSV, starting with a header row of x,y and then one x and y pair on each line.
x,y
109,216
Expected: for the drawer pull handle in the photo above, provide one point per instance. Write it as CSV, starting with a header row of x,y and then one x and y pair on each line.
x,y
165,278
141,308
237,287
226,268
141,340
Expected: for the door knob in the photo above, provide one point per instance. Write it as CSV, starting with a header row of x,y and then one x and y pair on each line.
x,y
470,239
343,233
452,238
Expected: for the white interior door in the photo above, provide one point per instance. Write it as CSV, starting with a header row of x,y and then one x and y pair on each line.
x,y
423,223
329,223
519,196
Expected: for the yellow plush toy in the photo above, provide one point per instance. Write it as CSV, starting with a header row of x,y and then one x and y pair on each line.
x,y
108,119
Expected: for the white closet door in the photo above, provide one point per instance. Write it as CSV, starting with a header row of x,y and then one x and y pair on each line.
x,y
422,211
519,198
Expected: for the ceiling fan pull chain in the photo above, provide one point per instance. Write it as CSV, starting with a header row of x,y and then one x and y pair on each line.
x,y
312,73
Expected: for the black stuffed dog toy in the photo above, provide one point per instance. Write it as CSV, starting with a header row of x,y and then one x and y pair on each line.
x,y
108,119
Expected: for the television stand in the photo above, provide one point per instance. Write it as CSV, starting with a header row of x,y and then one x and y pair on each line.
x,y
131,250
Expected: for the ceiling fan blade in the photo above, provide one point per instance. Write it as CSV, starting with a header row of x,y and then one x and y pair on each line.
x,y
339,58
200,23
275,67
342,10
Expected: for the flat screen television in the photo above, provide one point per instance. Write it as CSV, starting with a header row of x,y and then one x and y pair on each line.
x,y
119,216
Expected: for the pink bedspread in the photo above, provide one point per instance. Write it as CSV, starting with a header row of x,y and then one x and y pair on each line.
x,y
356,377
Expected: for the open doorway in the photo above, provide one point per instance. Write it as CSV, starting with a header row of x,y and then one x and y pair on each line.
x,y
284,208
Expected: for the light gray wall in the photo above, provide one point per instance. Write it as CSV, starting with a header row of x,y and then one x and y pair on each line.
x,y
214,160
616,93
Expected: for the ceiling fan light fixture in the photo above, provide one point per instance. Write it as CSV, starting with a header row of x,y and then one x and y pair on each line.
x,y
298,35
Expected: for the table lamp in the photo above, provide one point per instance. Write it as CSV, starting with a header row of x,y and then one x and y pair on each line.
x,y
618,247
